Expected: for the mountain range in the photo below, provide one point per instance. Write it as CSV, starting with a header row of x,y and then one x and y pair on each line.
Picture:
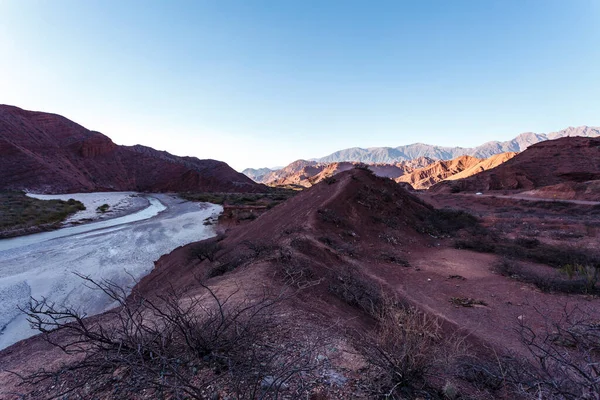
x,y
411,151
391,155
571,163
48,153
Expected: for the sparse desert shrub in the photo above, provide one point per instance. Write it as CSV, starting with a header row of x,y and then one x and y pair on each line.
x,y
294,271
531,250
356,290
394,259
103,208
205,250
527,243
549,284
466,302
171,348
447,222
405,349
330,216
508,267
588,273
259,248
363,166
330,180
475,244
565,354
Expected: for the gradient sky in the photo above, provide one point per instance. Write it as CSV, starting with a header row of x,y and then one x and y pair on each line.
x,y
262,83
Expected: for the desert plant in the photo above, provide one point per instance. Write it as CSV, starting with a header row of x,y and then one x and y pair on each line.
x,y
103,208
173,346
563,364
588,273
405,349
205,250
356,290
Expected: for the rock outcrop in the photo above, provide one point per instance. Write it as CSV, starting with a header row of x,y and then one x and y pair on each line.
x,y
48,153
552,162
457,168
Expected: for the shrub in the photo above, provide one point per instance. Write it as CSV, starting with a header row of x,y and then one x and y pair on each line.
x,y
405,349
205,250
171,348
103,208
356,290
446,222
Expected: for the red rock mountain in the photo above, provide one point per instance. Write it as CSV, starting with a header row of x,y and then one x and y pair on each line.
x,y
552,162
308,173
48,153
457,168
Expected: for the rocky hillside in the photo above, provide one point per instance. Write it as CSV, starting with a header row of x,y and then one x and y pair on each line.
x,y
307,173
457,168
411,151
257,174
48,153
332,293
552,162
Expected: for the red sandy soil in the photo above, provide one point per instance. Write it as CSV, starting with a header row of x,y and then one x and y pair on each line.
x,y
48,153
357,221
562,161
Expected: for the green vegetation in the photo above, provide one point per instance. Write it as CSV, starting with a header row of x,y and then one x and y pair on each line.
x,y
19,212
103,208
268,200
580,266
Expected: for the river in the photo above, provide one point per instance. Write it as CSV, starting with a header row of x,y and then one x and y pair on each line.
x,y
122,250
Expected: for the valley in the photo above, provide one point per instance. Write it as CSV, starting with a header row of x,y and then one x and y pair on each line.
x,y
120,249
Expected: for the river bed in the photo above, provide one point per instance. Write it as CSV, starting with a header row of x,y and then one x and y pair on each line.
x,y
122,250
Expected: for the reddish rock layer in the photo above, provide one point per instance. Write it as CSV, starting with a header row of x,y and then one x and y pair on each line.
x,y
48,153
569,159
457,168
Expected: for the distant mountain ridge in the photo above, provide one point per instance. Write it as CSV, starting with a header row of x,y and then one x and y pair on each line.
x,y
563,164
48,153
390,155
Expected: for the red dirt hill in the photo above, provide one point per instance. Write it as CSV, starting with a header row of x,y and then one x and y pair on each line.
x,y
48,153
338,246
553,162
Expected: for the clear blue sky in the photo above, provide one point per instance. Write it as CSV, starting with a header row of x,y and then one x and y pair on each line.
x,y
262,83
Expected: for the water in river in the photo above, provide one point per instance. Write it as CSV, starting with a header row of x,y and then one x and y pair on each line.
x,y
122,249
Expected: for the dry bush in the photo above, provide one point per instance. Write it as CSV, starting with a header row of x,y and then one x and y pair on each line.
x,y
405,351
205,250
531,250
580,280
445,222
565,355
356,290
175,347
563,364
295,272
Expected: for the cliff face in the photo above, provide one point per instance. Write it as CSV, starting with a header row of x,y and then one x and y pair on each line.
x,y
457,168
48,153
552,162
